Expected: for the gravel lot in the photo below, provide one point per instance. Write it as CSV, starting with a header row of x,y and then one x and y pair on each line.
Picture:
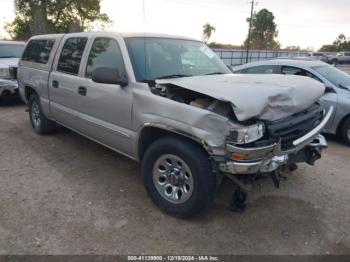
x,y
345,68
62,194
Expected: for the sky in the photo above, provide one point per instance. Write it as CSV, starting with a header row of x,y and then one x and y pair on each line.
x,y
304,23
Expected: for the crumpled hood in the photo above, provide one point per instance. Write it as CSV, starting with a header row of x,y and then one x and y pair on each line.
x,y
266,97
6,62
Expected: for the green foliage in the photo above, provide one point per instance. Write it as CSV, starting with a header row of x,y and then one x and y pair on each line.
x,y
263,31
54,16
208,29
224,46
340,44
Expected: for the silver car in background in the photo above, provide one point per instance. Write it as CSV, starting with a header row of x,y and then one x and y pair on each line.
x,y
339,58
10,52
336,81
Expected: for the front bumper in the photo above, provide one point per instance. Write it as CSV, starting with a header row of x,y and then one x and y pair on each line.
x,y
269,158
8,85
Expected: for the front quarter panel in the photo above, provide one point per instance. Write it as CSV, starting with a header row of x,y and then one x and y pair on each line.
x,y
202,125
343,109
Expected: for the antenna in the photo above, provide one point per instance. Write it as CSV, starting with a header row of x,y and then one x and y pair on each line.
x,y
144,36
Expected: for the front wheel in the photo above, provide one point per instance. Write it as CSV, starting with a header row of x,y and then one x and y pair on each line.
x,y
334,62
178,176
39,122
345,132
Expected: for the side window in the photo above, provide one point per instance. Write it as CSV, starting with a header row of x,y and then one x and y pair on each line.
x,y
347,54
105,52
288,70
38,51
266,69
71,55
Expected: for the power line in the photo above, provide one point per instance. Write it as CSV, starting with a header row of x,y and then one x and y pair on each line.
x,y
315,26
216,6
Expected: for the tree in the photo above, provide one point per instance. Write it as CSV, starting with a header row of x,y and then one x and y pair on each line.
x,y
54,16
263,31
340,44
208,29
292,48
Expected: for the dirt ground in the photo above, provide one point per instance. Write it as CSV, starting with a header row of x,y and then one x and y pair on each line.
x,y
345,68
62,194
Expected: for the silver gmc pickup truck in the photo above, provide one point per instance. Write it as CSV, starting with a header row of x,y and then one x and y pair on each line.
x,y
171,104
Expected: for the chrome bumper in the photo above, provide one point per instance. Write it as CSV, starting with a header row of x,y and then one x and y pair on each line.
x,y
9,85
271,157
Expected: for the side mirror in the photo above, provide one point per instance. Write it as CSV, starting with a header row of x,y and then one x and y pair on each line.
x,y
109,75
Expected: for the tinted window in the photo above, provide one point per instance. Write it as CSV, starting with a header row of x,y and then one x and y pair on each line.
x,y
347,54
11,50
260,70
71,55
38,51
105,52
334,75
288,70
154,58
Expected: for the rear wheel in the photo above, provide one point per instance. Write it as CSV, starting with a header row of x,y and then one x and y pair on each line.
x,y
178,176
345,131
40,123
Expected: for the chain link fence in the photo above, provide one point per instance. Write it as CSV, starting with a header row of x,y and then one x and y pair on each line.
x,y
239,57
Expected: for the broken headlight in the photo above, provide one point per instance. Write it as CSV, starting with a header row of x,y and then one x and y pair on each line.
x,y
246,134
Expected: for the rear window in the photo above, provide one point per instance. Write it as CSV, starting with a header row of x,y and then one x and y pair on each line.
x,y
71,55
38,51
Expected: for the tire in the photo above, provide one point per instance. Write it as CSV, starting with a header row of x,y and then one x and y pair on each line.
x,y
189,172
335,62
39,122
345,132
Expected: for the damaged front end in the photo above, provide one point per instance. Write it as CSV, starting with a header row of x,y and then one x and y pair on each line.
x,y
292,140
242,146
256,145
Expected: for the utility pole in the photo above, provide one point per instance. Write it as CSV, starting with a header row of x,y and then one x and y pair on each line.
x,y
250,28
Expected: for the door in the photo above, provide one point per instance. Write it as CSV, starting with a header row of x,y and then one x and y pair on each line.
x,y
65,101
105,108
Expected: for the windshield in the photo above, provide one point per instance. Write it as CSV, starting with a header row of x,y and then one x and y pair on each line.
x,y
154,58
11,50
334,75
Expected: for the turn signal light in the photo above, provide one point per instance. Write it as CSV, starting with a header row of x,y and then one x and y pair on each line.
x,y
239,157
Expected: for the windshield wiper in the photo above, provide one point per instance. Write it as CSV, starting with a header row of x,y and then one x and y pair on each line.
x,y
173,76
8,57
214,73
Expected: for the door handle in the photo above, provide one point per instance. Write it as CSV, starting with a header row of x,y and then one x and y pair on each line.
x,y
82,90
55,84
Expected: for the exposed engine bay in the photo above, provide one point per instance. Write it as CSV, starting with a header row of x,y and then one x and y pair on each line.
x,y
195,99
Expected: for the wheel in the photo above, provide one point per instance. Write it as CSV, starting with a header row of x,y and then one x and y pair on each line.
x,y
335,62
345,132
178,176
40,123
4,97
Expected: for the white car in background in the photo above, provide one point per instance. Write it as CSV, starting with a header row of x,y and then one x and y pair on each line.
x,y
10,52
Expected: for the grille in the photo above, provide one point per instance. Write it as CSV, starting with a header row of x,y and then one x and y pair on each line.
x,y
13,72
294,127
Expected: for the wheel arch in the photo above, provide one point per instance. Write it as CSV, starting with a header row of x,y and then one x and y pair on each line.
x,y
150,132
28,91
